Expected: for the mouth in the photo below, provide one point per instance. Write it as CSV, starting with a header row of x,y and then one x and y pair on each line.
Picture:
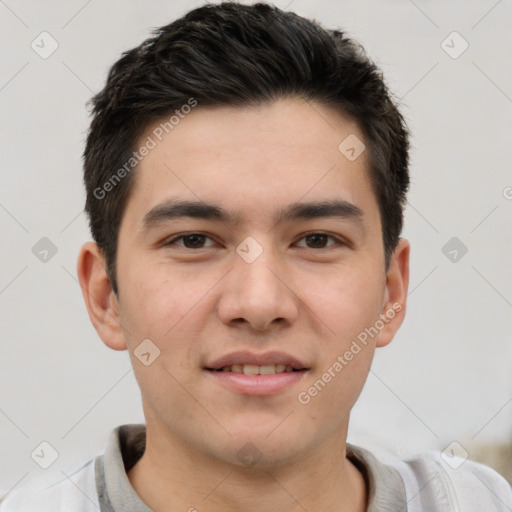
x,y
253,369
257,374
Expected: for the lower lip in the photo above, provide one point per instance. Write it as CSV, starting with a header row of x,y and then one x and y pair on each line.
x,y
257,384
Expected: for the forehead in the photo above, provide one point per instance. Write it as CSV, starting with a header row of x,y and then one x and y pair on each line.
x,y
291,127
253,159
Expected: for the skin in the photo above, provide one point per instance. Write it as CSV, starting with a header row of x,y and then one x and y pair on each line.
x,y
307,297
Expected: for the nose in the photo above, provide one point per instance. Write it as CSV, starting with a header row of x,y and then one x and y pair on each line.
x,y
259,294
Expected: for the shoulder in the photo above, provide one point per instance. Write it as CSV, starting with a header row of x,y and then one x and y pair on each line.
x,y
436,482
76,492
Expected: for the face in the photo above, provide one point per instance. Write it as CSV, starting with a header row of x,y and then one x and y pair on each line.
x,y
250,254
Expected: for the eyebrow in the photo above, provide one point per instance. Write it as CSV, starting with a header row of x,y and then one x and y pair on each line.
x,y
177,209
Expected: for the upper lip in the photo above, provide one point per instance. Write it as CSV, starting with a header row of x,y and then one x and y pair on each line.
x,y
263,359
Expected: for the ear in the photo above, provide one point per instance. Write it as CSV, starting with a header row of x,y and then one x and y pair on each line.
x,y
397,284
100,300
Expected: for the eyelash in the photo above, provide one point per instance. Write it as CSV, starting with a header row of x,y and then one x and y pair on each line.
x,y
338,241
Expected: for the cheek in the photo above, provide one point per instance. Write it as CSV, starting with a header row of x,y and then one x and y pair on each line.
x,y
171,313
157,301
345,303
347,307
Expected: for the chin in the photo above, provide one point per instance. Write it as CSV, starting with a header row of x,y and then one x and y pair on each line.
x,y
262,450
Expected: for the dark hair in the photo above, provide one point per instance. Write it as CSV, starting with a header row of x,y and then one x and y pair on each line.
x,y
238,55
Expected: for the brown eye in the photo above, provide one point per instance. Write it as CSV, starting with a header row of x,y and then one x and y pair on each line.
x,y
192,241
319,241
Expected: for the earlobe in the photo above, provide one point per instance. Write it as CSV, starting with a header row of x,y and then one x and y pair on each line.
x,y
100,300
397,284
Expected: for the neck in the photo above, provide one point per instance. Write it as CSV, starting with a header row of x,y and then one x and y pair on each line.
x,y
323,480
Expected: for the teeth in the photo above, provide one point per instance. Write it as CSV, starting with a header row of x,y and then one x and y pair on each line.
x,y
268,369
252,369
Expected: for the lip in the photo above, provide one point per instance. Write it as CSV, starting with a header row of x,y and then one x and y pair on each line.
x,y
262,385
265,358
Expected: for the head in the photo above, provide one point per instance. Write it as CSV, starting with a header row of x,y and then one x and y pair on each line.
x,y
244,111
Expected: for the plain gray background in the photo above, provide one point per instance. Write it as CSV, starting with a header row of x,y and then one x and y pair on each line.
x,y
446,376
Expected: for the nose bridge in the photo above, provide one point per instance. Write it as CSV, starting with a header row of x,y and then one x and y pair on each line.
x,y
260,276
257,269
257,291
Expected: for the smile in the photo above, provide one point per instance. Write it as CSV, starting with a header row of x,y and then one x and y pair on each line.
x,y
252,369
261,374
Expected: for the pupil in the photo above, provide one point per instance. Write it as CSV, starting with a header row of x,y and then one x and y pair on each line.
x,y
193,237
316,239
